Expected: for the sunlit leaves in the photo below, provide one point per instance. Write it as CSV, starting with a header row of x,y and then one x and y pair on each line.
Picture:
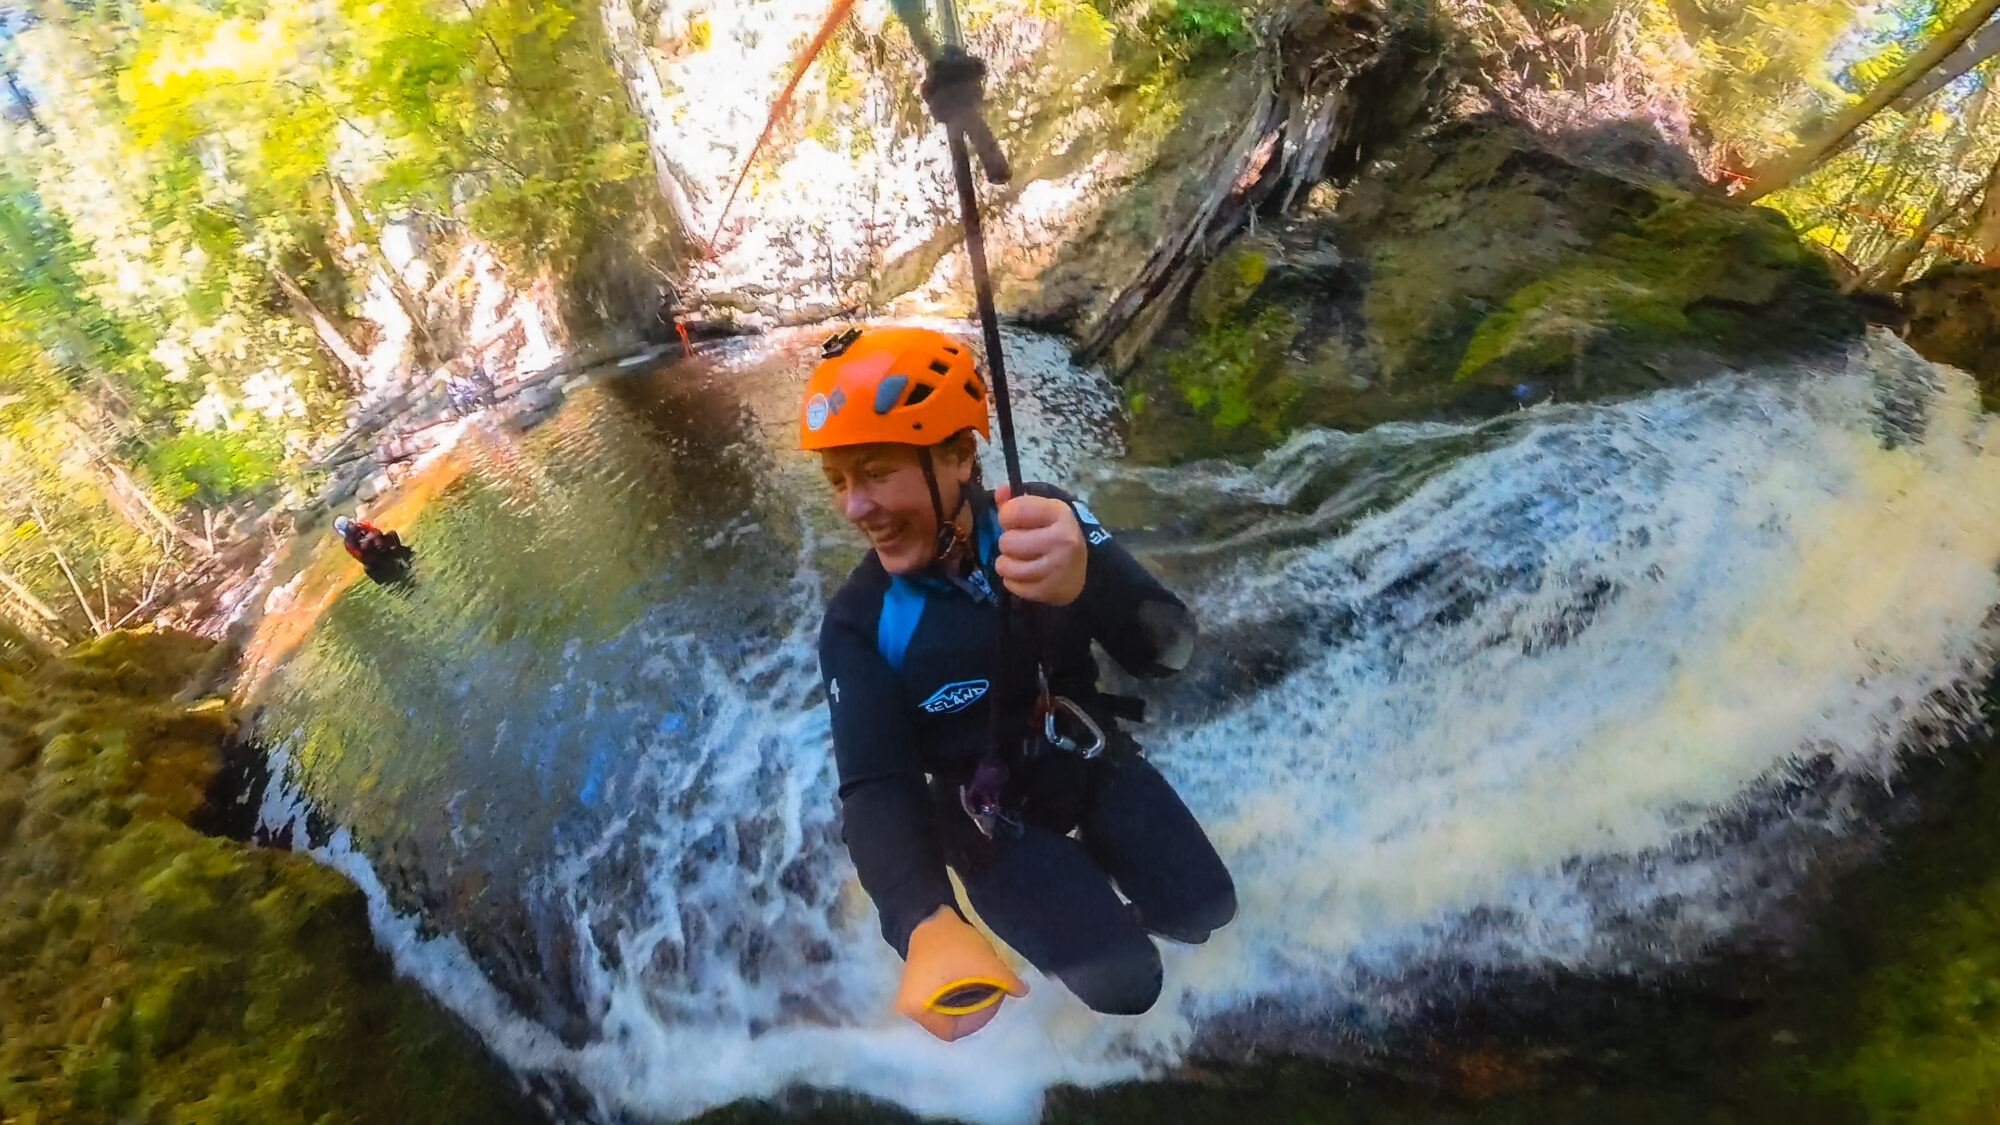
x,y
507,106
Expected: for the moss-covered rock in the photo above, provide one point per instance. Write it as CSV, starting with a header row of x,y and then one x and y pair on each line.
x,y
1932,1053
151,973
1469,272
1233,371
1734,280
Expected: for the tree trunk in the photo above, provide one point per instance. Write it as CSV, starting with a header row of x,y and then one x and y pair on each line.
x,y
1304,112
125,493
123,484
369,237
1856,212
76,587
89,614
642,87
1986,228
1889,275
27,598
1788,169
1977,50
1942,209
349,361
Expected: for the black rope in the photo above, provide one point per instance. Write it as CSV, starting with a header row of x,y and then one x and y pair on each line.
x,y
952,91
982,287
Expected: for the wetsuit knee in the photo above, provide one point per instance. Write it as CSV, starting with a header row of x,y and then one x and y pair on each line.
x,y
1123,984
1200,917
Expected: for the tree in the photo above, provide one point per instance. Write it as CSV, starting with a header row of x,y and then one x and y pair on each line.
x,y
1783,172
1977,50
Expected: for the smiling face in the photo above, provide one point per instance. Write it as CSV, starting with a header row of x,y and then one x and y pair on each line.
x,y
880,489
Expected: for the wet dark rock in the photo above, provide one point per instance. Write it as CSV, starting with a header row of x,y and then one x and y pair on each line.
x,y
235,794
1954,318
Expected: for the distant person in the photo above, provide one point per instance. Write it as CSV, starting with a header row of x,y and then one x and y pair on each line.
x,y
481,383
382,554
461,394
669,315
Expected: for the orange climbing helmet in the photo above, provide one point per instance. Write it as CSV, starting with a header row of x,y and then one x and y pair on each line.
x,y
912,386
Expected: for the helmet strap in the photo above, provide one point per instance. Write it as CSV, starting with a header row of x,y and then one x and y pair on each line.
x,y
949,537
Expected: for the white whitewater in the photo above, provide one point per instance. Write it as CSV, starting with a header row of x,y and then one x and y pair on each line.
x,y
1508,693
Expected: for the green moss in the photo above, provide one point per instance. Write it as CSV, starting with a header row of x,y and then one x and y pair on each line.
x,y
1933,1054
151,973
1926,1044
1227,285
1234,373
1548,324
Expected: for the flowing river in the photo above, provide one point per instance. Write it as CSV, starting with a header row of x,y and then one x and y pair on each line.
x,y
1585,686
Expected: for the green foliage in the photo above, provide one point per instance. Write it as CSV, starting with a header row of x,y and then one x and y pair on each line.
x,y
509,105
46,305
212,467
1909,190
63,354
1201,31
150,973
1763,66
174,262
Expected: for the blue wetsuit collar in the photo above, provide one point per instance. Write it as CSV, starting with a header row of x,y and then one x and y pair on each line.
x,y
903,602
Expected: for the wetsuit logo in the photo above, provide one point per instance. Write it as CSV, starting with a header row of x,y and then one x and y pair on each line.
x,y
1094,533
954,697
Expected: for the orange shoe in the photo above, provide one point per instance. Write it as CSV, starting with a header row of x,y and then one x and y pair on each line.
x,y
953,982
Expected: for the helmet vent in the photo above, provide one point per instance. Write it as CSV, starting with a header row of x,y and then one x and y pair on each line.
x,y
941,367
918,394
972,389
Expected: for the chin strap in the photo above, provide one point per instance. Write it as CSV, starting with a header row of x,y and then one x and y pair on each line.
x,y
949,537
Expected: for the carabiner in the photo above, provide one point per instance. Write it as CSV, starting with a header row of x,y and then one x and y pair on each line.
x,y
1063,742
988,818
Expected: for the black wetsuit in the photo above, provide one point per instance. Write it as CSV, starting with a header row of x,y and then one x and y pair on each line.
x,y
908,665
382,554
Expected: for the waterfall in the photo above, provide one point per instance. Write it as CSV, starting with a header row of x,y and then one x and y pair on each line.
x,y
1495,696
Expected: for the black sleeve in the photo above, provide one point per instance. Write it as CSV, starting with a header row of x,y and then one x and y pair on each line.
x,y
1140,622
884,800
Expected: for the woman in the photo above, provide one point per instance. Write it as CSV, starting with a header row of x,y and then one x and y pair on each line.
x,y
947,758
